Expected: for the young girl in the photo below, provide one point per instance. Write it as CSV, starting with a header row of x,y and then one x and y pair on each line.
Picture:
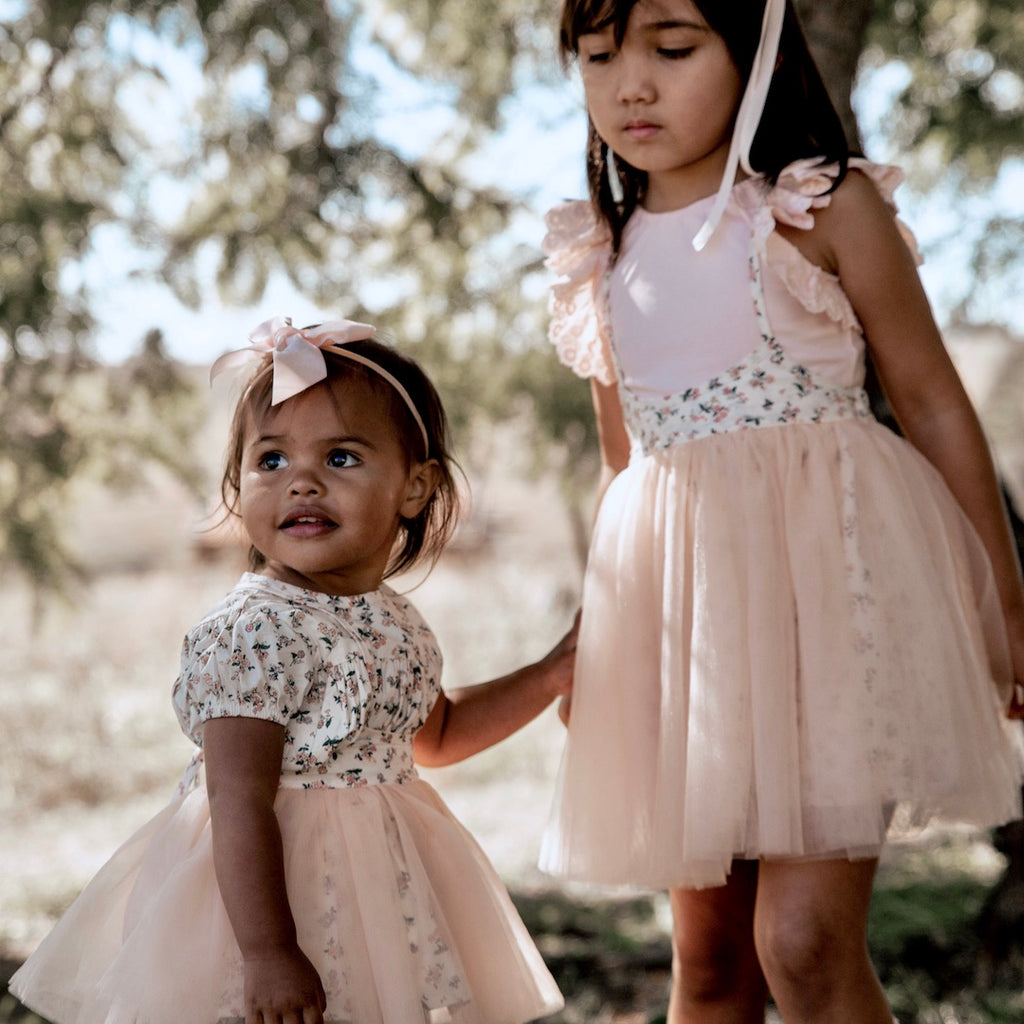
x,y
797,626
315,878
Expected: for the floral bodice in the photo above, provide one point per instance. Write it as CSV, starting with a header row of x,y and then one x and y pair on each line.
x,y
350,678
768,387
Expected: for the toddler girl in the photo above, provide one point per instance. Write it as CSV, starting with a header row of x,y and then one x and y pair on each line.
x,y
315,878
797,626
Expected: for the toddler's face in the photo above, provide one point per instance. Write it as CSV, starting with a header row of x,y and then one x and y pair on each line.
x,y
324,483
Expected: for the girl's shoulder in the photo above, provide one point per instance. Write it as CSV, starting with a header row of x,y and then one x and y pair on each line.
x,y
577,247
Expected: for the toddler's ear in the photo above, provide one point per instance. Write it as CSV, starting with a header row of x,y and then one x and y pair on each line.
x,y
423,480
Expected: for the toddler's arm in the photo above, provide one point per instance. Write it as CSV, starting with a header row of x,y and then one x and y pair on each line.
x,y
243,768
473,718
878,274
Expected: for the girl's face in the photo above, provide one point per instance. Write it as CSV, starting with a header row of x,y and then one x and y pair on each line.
x,y
324,484
664,99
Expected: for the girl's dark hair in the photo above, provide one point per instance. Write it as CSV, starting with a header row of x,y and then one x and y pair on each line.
x,y
798,120
423,536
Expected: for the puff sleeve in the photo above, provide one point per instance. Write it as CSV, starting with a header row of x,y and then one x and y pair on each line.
x,y
256,663
578,249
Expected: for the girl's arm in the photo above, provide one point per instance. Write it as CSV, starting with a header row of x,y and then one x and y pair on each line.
x,y
473,718
243,768
878,274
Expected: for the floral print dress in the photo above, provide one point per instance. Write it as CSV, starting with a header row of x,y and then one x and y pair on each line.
x,y
394,903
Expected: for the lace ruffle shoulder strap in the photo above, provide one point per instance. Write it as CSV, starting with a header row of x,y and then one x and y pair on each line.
x,y
801,190
578,248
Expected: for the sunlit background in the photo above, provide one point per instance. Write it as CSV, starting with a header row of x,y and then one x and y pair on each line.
x,y
171,174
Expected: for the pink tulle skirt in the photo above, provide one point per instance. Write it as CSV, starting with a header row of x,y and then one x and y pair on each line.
x,y
396,906
790,638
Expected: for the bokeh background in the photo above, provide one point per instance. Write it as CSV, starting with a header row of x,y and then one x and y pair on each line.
x,y
171,174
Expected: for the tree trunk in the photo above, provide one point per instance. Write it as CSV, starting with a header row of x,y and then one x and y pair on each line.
x,y
836,30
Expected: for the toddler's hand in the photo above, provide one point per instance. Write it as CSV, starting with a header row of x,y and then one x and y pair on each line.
x,y
1016,708
1015,630
283,987
560,661
565,709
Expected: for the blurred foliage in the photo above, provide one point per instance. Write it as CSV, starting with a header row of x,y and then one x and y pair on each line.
x,y
248,135
964,96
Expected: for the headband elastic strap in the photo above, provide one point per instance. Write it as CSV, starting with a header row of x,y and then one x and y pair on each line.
x,y
749,115
393,381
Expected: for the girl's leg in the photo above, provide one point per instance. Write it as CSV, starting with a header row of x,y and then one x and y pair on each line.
x,y
810,928
716,978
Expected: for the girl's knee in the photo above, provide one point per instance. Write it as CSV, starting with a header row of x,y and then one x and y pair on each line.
x,y
710,962
808,952
793,945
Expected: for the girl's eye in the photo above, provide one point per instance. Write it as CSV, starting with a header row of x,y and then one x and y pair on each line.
x,y
675,53
341,459
597,47
271,461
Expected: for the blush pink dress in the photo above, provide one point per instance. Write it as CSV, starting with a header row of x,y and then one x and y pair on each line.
x,y
790,636
395,904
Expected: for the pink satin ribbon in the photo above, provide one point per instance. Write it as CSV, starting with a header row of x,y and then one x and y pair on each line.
x,y
748,117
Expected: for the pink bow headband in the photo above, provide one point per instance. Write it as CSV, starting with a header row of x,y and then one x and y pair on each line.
x,y
299,359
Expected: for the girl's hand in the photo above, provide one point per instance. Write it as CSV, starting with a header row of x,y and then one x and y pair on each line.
x,y
283,988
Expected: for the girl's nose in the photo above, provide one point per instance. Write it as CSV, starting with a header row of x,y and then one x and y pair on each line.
x,y
635,85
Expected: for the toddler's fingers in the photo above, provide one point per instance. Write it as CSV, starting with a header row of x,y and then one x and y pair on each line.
x,y
1016,708
565,709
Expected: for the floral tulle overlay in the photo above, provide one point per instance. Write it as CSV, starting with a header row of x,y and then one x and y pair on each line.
x,y
350,678
442,980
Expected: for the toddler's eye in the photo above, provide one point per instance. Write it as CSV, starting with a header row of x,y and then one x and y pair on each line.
x,y
341,459
675,53
271,461
598,57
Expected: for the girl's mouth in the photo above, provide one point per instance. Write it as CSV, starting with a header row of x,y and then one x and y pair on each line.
x,y
641,130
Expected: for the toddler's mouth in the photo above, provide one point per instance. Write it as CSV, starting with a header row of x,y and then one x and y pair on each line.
x,y
307,523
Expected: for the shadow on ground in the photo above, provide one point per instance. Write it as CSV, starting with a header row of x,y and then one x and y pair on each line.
x,y
612,957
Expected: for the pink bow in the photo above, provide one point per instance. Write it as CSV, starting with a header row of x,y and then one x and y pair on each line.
x,y
298,361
